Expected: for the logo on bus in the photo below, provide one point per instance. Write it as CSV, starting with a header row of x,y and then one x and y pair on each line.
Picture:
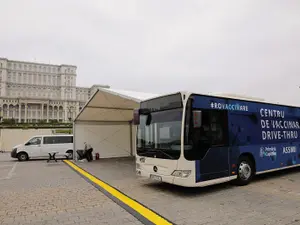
x,y
268,152
233,107
289,149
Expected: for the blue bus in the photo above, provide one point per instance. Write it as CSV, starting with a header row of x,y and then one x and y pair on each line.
x,y
189,139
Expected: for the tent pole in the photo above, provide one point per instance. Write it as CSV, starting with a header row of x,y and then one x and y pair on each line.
x,y
131,144
74,145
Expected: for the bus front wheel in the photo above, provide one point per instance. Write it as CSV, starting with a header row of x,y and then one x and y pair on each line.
x,y
245,171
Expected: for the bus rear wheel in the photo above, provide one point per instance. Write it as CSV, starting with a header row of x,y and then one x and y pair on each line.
x,y
245,171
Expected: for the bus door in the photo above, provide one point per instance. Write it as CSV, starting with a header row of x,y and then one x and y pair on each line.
x,y
211,145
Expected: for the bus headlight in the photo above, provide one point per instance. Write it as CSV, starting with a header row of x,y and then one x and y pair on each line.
x,y
181,173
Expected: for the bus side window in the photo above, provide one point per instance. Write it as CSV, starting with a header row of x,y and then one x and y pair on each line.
x,y
212,133
219,127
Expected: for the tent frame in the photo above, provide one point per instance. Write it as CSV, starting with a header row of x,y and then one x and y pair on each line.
x,y
99,122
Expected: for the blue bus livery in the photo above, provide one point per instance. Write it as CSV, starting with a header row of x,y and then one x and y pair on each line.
x,y
214,138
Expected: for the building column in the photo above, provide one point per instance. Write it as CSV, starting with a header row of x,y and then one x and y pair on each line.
x,y
36,113
66,115
14,112
31,111
53,112
20,112
47,113
26,108
42,115
2,112
58,113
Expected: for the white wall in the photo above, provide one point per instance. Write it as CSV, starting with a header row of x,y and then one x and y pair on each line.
x,y
12,137
109,140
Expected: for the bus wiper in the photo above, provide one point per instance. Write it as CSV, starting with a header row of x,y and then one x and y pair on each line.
x,y
143,153
158,150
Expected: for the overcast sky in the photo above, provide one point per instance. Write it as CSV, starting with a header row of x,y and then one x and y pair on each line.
x,y
246,47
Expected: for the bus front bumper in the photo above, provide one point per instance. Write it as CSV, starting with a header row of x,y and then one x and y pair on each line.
x,y
154,177
180,181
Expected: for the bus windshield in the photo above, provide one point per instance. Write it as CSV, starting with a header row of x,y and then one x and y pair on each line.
x,y
161,137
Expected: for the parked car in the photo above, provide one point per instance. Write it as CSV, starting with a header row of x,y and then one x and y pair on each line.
x,y
40,147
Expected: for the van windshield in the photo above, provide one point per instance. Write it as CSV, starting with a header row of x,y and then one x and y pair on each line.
x,y
34,141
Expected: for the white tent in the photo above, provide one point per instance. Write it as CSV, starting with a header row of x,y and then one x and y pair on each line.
x,y
105,122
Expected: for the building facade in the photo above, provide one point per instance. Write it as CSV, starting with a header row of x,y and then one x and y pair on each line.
x,y
32,92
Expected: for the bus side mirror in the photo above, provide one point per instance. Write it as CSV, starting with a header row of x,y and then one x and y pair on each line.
x,y
197,118
148,120
136,116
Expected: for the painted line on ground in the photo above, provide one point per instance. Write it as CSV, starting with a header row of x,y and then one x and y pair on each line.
x,y
137,209
10,173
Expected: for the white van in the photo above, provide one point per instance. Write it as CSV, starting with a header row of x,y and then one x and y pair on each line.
x,y
40,147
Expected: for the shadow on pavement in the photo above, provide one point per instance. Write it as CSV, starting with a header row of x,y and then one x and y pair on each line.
x,y
277,174
190,191
198,191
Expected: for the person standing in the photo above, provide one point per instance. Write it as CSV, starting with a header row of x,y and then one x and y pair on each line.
x,y
88,151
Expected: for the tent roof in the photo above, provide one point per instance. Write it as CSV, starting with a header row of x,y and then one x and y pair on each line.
x,y
112,105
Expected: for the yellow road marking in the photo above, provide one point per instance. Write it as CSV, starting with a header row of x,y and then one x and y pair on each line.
x,y
145,212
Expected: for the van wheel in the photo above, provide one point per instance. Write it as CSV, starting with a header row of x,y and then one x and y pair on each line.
x,y
69,154
22,156
245,171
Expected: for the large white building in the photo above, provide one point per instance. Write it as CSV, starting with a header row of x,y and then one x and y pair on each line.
x,y
33,92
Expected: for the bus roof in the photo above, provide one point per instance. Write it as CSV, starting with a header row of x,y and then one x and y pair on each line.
x,y
226,96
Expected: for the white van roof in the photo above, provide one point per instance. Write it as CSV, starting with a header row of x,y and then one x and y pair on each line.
x,y
52,135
